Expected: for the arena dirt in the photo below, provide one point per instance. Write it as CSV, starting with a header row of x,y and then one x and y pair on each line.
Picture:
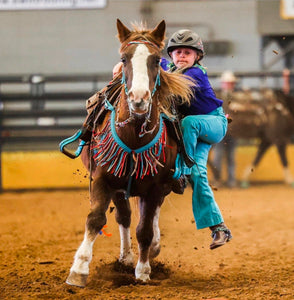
x,y
40,232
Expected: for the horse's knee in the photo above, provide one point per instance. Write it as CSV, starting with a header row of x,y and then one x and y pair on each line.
x,y
95,222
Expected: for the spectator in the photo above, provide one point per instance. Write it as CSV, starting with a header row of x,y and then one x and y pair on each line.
x,y
226,148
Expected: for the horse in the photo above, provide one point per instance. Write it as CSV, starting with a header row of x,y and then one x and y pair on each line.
x,y
269,117
132,152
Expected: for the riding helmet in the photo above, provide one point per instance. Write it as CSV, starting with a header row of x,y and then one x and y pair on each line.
x,y
186,38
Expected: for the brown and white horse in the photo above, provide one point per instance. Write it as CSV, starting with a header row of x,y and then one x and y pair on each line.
x,y
269,119
132,153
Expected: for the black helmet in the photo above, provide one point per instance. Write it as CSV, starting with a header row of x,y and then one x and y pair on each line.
x,y
186,38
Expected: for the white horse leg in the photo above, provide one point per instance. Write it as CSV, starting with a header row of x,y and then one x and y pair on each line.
x,y
245,178
96,219
146,235
288,177
80,269
126,254
155,245
143,270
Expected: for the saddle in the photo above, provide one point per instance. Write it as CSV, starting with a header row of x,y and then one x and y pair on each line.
x,y
95,106
97,112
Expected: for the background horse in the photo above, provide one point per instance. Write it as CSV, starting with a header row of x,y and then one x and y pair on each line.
x,y
132,152
270,119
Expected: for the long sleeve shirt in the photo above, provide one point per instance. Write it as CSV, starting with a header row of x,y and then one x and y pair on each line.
x,y
204,100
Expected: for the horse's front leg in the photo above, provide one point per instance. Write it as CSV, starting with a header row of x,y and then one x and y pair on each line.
x,y
155,244
95,221
123,218
145,234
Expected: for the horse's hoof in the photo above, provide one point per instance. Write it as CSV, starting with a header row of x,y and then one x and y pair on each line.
x,y
142,271
76,279
143,277
127,260
244,185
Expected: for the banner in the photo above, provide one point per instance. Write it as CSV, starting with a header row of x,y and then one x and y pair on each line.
x,y
51,4
287,9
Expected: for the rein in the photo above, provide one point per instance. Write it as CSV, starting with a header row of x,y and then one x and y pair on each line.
x,y
123,79
156,84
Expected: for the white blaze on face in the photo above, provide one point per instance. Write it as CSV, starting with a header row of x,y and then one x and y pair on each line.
x,y
140,84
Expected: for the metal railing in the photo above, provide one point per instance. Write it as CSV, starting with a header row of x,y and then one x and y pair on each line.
x,y
38,111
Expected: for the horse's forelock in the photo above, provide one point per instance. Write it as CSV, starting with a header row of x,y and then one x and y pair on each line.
x,y
142,34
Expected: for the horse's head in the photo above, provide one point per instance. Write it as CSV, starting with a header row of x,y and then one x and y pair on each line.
x,y
140,55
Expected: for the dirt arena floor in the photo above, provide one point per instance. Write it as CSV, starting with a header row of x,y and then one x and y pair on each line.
x,y
40,232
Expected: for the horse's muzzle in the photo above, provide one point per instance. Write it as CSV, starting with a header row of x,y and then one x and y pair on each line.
x,y
139,107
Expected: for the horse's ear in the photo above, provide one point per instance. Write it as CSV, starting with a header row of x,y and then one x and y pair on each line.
x,y
123,31
159,31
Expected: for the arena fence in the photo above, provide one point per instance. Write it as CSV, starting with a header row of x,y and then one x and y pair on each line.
x,y
38,111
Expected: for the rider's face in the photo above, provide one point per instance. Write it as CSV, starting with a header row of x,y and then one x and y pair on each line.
x,y
183,57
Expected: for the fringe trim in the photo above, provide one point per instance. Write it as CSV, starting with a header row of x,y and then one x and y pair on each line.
x,y
107,153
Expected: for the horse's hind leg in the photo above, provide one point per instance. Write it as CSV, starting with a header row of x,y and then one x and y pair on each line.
x,y
283,157
145,234
262,148
123,218
95,221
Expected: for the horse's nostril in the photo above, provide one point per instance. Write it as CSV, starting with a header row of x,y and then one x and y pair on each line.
x,y
131,96
147,95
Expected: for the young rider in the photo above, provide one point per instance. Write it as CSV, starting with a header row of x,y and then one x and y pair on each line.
x,y
203,124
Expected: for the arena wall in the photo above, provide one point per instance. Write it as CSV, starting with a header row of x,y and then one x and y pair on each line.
x,y
83,41
37,170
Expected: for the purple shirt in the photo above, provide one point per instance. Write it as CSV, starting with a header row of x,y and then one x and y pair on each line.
x,y
204,100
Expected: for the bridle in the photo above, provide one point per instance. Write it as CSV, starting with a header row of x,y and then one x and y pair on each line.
x,y
156,84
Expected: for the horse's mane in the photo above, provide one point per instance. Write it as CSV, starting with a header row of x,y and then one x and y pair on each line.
x,y
174,87
142,33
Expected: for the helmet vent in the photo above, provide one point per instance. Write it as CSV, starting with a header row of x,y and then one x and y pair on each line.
x,y
180,36
189,39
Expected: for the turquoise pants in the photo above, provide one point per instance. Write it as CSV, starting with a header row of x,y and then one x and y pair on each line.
x,y
199,133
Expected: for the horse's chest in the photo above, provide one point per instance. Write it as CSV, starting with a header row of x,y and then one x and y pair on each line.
x,y
116,158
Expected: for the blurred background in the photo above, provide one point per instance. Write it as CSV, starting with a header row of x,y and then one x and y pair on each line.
x,y
56,54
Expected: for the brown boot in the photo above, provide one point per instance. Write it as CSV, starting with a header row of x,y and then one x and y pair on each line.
x,y
220,234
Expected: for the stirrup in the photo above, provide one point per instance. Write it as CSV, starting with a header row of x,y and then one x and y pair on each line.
x,y
225,230
78,135
178,167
